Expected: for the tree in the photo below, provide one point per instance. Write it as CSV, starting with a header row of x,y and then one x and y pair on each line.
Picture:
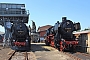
x,y
33,27
87,28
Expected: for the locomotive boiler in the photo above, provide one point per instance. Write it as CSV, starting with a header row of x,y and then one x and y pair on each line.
x,y
20,37
62,36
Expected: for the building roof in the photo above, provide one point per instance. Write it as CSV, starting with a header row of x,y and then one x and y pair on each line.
x,y
43,28
82,32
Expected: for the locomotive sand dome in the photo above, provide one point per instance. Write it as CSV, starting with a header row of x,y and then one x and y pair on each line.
x,y
18,16
62,36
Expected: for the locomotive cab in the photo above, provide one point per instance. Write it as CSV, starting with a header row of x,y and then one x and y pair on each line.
x,y
77,26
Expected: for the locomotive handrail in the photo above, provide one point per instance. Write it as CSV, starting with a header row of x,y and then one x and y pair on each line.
x,y
14,12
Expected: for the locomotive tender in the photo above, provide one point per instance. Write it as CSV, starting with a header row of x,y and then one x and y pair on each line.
x,y
61,35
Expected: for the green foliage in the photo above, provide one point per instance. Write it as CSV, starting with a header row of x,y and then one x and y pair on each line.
x,y
86,29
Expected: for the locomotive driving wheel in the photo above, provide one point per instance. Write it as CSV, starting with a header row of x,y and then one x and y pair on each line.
x,y
55,43
61,46
73,48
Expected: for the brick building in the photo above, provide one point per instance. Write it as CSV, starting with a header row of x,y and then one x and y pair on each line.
x,y
42,31
84,40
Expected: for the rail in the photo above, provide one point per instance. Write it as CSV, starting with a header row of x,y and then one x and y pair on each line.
x,y
10,57
26,56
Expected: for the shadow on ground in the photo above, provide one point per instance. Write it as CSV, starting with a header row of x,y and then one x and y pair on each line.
x,y
38,47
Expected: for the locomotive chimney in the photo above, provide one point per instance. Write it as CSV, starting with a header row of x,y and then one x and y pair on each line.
x,y
64,18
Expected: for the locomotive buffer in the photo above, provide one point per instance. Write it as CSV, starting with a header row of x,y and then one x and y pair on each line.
x,y
11,13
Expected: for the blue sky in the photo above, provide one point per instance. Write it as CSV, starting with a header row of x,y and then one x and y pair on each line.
x,y
45,12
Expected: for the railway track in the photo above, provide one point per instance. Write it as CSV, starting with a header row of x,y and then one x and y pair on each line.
x,y
31,56
78,55
82,56
16,55
71,55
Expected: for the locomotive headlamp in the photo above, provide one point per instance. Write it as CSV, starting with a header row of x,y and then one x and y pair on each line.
x,y
76,39
26,40
62,39
13,40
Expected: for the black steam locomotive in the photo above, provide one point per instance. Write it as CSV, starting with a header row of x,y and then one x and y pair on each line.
x,y
61,35
20,37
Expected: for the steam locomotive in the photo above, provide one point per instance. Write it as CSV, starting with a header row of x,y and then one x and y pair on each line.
x,y
20,37
61,35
